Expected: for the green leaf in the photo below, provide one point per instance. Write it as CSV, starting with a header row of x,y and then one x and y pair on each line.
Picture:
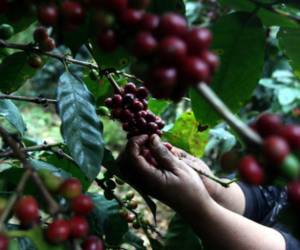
x,y
80,124
106,220
157,106
267,17
185,135
14,71
68,167
160,7
181,236
288,40
11,113
239,39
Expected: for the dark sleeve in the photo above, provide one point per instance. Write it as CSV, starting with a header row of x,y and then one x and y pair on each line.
x,y
291,242
262,203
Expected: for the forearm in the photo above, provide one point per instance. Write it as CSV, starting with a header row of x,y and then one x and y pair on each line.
x,y
231,198
223,229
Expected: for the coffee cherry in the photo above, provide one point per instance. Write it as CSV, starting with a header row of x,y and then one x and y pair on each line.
x,y
172,24
72,12
126,115
198,40
27,210
6,31
58,231
108,102
133,204
145,44
152,126
211,59
128,99
268,124
103,20
107,41
291,133
117,100
251,171
142,93
195,70
116,113
129,195
130,88
229,161
4,242
48,45
137,105
166,76
82,205
71,188
35,61
79,227
160,124
275,149
290,167
93,243
48,15
294,194
150,117
130,217
172,49
51,181
131,18
40,34
117,5
149,22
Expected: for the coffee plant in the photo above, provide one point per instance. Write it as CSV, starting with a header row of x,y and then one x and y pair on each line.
x,y
174,68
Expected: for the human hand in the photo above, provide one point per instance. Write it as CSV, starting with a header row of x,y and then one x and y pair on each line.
x,y
172,181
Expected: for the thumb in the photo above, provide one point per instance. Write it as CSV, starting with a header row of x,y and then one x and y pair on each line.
x,y
162,155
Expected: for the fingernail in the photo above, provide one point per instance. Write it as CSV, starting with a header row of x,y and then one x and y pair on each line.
x,y
154,140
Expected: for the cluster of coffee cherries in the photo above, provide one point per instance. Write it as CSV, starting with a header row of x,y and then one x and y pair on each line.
x,y
171,56
70,224
130,107
277,161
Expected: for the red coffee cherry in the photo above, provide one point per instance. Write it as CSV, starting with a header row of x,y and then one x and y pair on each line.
x,y
291,133
149,22
131,18
276,149
195,70
71,188
93,243
107,41
211,59
294,194
72,12
4,242
145,44
108,102
48,15
172,49
82,205
172,24
229,161
27,210
130,88
117,100
142,93
58,231
268,124
198,40
40,34
166,76
251,171
48,45
79,227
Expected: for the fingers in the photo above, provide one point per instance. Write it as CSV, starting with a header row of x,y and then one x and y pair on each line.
x,y
135,144
162,155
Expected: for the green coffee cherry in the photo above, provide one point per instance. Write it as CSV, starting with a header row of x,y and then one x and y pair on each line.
x,y
51,181
6,31
104,111
290,168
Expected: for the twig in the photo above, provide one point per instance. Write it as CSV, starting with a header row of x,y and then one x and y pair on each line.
x,y
13,198
62,154
241,128
113,83
121,204
52,204
42,147
275,10
37,100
